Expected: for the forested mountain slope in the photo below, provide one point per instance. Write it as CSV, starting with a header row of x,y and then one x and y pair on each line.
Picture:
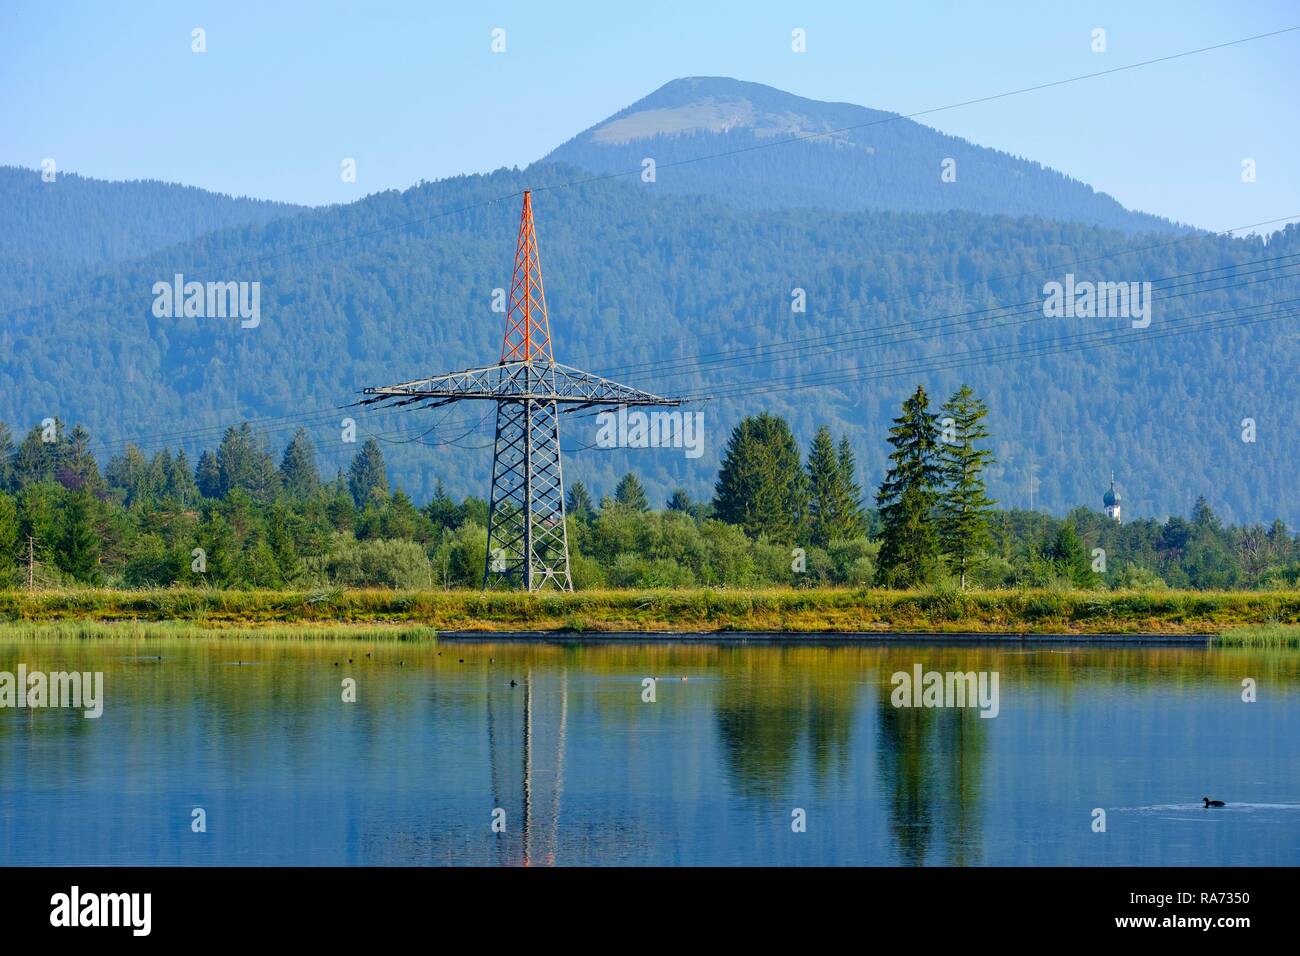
x,y
91,221
399,285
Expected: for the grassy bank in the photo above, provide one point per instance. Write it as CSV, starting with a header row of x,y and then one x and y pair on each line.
x,y
697,610
1262,635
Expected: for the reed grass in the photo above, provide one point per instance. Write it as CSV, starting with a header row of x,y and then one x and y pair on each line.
x,y
163,631
1261,635
305,614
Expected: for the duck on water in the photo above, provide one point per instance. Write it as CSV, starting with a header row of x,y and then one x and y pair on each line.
x,y
1212,803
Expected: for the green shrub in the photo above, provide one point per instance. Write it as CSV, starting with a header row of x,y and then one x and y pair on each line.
x,y
377,563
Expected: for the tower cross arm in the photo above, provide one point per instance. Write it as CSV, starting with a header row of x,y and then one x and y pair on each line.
x,y
517,381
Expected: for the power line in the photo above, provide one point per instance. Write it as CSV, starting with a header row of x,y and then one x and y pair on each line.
x,y
293,417
686,364
287,422
998,353
145,445
1053,268
989,355
328,411
974,356
1031,314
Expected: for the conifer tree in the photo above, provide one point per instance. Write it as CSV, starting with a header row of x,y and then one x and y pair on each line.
x,y
909,548
442,510
36,459
78,550
79,468
298,473
761,485
834,511
158,471
964,507
680,501
580,504
1069,559
280,538
341,509
244,463
180,482
631,494
855,521
367,474
207,476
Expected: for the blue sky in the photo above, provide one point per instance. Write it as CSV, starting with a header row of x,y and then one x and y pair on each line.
x,y
412,91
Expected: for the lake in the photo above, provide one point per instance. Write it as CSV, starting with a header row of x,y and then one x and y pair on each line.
x,y
787,754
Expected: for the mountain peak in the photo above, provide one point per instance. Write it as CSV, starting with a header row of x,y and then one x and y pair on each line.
x,y
721,104
709,135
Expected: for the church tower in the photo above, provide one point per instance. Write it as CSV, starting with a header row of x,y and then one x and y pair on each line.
x,y
1111,501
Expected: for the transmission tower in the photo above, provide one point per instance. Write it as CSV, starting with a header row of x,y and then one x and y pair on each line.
x,y
528,543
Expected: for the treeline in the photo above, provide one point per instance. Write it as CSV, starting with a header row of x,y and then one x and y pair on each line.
x,y
240,517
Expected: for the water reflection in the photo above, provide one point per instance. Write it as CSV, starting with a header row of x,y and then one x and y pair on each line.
x,y
526,755
931,762
556,743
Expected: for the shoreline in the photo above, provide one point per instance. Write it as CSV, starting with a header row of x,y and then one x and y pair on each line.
x,y
188,631
718,615
821,638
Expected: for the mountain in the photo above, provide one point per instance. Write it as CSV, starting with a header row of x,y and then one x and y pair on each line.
x,y
844,158
399,285
84,221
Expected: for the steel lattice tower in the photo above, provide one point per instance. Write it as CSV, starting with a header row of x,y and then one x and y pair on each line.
x,y
528,541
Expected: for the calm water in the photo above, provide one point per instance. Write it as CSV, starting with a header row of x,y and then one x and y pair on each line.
x,y
710,773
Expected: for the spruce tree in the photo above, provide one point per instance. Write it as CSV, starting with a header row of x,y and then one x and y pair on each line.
x,y
580,504
158,471
964,507
280,537
442,510
341,509
180,483
855,522
298,473
78,550
631,494
834,511
367,474
35,459
680,501
244,463
909,547
761,485
126,473
1069,559
79,468
207,476
40,510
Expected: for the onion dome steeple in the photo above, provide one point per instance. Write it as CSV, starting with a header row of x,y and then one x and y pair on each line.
x,y
1111,499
